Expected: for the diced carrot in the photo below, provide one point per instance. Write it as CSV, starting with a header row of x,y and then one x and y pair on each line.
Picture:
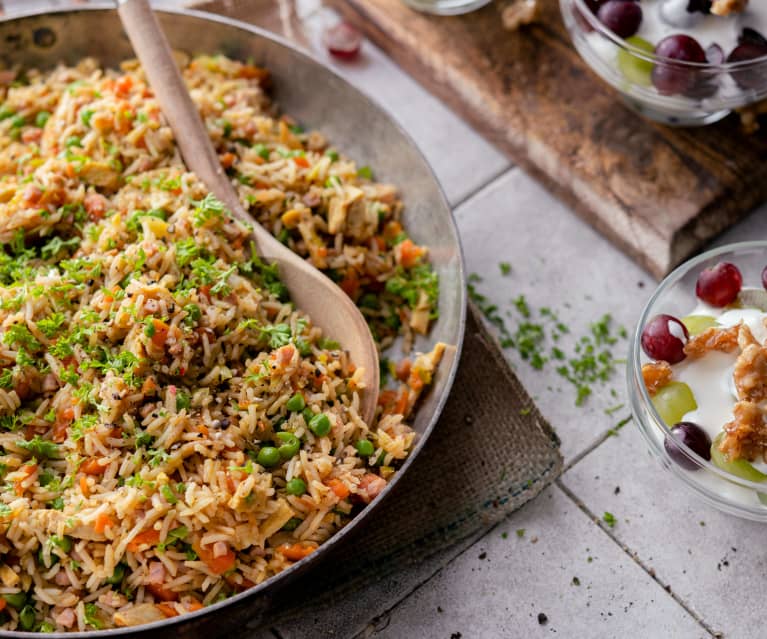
x,y
103,521
31,135
380,242
123,86
227,159
160,335
409,253
193,605
296,552
402,402
338,487
85,489
403,369
203,429
148,386
92,467
386,398
301,161
252,72
162,593
149,536
3,604
169,610
204,292
70,170
218,565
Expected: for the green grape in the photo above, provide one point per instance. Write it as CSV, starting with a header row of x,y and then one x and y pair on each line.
x,y
634,68
738,467
673,402
696,324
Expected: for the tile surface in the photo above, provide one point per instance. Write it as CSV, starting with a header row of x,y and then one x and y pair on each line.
x,y
559,262
714,562
499,587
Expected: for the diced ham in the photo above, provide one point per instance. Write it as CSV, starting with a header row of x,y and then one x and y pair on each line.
x,y
65,618
370,487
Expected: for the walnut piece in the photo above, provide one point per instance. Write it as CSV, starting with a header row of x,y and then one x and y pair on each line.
x,y
712,339
746,435
750,373
749,116
518,13
727,7
656,375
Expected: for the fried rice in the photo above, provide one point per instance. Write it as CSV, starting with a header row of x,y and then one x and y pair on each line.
x,y
172,430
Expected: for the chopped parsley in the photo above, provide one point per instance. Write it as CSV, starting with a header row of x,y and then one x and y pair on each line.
x,y
609,519
40,448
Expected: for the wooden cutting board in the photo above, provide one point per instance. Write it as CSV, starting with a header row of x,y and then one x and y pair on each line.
x,y
659,193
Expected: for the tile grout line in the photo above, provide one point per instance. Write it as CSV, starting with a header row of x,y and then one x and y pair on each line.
x,y
477,190
650,571
387,613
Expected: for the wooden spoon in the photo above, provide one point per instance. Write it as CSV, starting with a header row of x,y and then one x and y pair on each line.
x,y
312,292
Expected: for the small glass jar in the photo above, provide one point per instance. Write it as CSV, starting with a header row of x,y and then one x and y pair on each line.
x,y
446,7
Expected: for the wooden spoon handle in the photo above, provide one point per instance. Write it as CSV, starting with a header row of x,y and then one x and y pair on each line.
x,y
154,52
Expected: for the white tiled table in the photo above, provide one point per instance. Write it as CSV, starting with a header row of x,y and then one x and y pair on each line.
x,y
672,566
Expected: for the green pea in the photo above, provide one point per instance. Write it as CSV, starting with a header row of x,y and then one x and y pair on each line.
x,y
296,486
320,425
296,403
73,140
46,626
365,447
117,575
41,559
308,413
41,118
18,121
65,543
27,618
16,600
290,445
292,524
268,456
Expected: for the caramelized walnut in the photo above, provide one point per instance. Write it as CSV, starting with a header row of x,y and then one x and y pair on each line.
x,y
712,339
728,7
750,373
746,435
656,375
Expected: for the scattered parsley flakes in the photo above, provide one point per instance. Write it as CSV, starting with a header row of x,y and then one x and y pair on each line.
x,y
40,448
505,268
613,432
520,532
609,519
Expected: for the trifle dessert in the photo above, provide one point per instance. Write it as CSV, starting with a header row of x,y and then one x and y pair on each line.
x,y
679,61
706,374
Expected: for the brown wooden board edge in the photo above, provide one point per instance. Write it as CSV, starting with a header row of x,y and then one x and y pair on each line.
x,y
684,243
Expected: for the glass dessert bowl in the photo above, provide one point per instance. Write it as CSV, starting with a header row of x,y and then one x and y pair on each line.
x,y
694,374
670,60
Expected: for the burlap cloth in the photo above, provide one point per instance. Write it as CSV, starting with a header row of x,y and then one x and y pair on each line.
x,y
490,453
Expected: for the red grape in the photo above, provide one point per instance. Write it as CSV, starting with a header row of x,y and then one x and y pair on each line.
x,y
719,285
755,76
695,438
670,78
664,338
621,17
343,40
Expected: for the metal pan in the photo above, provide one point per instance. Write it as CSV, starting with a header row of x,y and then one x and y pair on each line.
x,y
319,99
